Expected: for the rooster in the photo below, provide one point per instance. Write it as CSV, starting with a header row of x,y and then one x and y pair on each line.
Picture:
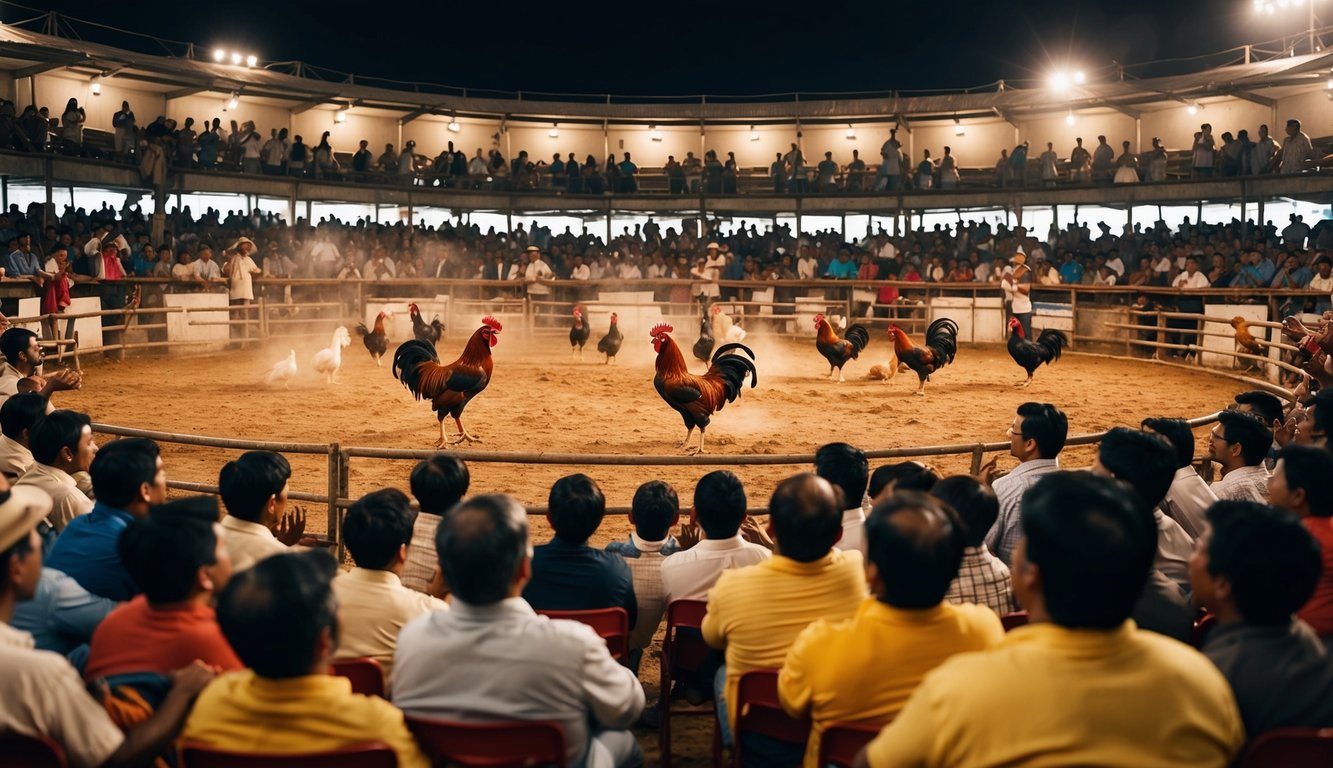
x,y
839,351
423,331
578,333
284,371
327,361
609,344
376,341
1244,339
941,346
703,348
448,387
1031,354
725,329
697,398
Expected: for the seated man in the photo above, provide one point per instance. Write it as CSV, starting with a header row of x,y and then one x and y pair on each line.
x,y
1189,497
755,613
1036,438
1300,484
23,360
128,479
1239,443
569,575
982,578
1079,685
653,512
903,476
61,616
17,416
1268,408
374,603
178,560
846,467
254,491
490,657
862,670
1254,567
719,511
281,617
43,695
62,444
438,483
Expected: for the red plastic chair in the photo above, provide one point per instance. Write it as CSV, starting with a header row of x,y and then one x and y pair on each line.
x,y
30,752
366,674
758,711
1289,748
1011,620
1202,626
842,742
691,652
371,755
518,744
611,624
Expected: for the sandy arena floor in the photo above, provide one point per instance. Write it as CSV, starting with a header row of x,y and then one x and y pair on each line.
x,y
540,399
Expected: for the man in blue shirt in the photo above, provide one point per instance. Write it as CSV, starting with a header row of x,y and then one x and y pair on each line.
x,y
128,479
62,615
22,262
1071,272
842,268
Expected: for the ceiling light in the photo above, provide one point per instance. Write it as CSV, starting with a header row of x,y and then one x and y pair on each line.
x,y
453,126
340,116
235,57
234,101
96,88
1059,81
958,129
654,134
1069,119
754,135
851,132
219,55
251,60
1193,109
555,131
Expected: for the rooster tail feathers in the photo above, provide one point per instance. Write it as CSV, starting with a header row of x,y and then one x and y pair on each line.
x,y
942,336
1053,342
407,362
734,368
361,329
859,338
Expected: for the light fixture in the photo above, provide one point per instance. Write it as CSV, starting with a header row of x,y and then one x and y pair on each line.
x,y
555,131
1069,118
96,87
851,132
235,58
958,129
341,115
1193,109
251,60
219,55
654,134
453,125
234,101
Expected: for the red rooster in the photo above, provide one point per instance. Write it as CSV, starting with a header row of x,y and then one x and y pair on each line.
x,y
697,398
1031,354
428,332
838,352
578,333
448,387
941,346
376,341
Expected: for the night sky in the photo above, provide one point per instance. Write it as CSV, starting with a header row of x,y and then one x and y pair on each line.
x,y
642,47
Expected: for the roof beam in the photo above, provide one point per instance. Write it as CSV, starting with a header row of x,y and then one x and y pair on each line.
x,y
414,114
1254,97
1122,109
46,66
1005,116
183,92
306,106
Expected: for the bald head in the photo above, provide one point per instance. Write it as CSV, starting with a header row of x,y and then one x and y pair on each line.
x,y
482,544
806,515
916,543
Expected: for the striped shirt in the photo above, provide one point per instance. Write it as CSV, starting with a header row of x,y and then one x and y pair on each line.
x,y
1243,484
1006,532
982,579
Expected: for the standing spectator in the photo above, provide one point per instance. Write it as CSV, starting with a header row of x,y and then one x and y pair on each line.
x,y
1080,163
1239,443
1202,158
71,127
253,488
298,154
1126,166
126,132
252,148
948,170
1261,157
794,161
185,144
274,153
856,172
438,483
982,577
407,164
62,445
1050,166
1103,157
1017,287
1018,160
826,174
654,511
629,182
889,176
925,172
362,159
240,271
1157,161
537,270
208,147
1035,438
1297,151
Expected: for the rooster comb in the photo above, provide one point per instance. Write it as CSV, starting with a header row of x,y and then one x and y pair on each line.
x,y
660,329
492,323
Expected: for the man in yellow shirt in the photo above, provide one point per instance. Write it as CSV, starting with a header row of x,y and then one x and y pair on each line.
x,y
281,618
1080,685
863,669
756,612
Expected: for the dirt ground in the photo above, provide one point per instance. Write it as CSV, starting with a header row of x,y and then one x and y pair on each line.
x,y
542,399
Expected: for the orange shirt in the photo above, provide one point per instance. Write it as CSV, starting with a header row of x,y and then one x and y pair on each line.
x,y
1318,612
139,638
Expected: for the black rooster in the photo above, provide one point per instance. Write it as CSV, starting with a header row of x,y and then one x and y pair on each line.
x,y
578,333
1032,354
423,331
610,343
703,348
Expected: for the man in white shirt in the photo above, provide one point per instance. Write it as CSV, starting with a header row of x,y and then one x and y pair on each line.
x,y
1297,150
62,443
1239,442
889,176
18,414
719,511
537,269
379,266
1017,287
846,468
240,271
254,491
205,269
806,264
1322,281
1189,497
629,269
23,359
580,271
1035,438
1191,277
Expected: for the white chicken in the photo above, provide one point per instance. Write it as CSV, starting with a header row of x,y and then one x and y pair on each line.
x,y
327,361
725,330
283,372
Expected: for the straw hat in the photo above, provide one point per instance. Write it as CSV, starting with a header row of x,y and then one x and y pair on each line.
x,y
20,511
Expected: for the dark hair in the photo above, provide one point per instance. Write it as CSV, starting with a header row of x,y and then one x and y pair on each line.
x,y
1143,460
58,429
438,483
916,543
905,476
480,544
1093,544
576,507
121,468
655,507
806,521
1178,433
19,549
1310,469
15,342
720,504
164,552
272,613
1271,560
21,412
377,526
1263,403
975,503
1246,430
844,466
247,483
1047,425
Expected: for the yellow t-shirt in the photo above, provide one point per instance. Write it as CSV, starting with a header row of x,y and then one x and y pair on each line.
x,y
756,612
1050,696
862,670
243,712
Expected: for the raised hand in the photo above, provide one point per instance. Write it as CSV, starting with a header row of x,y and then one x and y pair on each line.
x,y
291,527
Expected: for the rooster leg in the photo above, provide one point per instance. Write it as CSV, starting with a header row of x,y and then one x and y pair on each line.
x,y
921,391
697,449
840,378
1024,384
686,441
463,434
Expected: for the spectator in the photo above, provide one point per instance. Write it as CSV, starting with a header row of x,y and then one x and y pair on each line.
x,y
1297,151
982,578
62,444
1189,497
23,359
178,560
719,513
1079,685
254,491
373,604
1316,420
1035,438
889,176
1253,568
128,480
1239,442
1300,484
281,617
654,511
569,575
18,414
476,660
1269,409
438,483
240,271
863,670
903,476
846,468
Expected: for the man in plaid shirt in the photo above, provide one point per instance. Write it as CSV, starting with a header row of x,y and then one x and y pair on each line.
x,y
982,578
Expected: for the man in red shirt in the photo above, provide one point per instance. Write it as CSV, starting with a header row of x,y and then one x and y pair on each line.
x,y
177,557
1300,484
